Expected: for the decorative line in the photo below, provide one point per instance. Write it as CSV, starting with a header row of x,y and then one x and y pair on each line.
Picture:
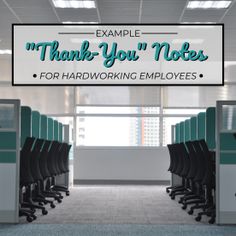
x,y
76,33
159,32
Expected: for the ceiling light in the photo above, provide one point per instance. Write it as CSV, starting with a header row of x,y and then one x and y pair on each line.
x,y
74,3
208,4
5,51
79,22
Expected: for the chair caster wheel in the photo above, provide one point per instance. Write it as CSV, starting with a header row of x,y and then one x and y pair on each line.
x,y
33,210
59,200
29,219
184,207
40,204
61,197
190,212
167,190
67,193
44,212
173,197
180,201
211,221
52,205
34,217
198,218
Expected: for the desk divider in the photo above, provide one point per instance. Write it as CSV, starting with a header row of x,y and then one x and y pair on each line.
x,y
201,125
193,128
60,132
177,133
36,124
211,127
56,130
187,134
181,131
26,123
50,129
44,127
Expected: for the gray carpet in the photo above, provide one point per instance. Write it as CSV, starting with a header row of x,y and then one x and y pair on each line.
x,y
114,230
117,205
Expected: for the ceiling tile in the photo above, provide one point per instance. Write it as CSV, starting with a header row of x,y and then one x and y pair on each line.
x,y
115,11
77,14
162,11
203,15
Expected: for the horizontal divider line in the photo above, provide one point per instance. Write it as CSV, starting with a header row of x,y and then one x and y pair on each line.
x,y
159,32
75,33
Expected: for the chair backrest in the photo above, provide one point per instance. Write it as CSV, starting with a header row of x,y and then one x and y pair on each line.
x,y
193,160
201,165
43,159
25,169
34,159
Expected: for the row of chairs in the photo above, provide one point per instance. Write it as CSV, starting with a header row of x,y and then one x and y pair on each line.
x,y
41,161
195,164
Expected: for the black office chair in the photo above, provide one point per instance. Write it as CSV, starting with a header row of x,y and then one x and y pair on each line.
x,y
26,177
63,162
209,183
182,169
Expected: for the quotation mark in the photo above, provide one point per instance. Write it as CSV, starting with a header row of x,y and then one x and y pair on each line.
x,y
142,46
30,46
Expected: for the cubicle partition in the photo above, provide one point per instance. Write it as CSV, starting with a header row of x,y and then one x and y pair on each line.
x,y
16,124
9,160
218,127
226,163
44,127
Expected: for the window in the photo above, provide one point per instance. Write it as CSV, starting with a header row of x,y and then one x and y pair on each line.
x,y
117,126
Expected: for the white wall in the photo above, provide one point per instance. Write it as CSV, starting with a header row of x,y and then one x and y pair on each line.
x,y
5,69
126,163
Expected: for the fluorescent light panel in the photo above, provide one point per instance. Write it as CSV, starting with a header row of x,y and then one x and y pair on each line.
x,y
5,51
74,3
208,4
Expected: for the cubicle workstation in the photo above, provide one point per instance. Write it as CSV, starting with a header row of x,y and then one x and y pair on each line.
x,y
9,160
29,142
226,162
194,146
217,127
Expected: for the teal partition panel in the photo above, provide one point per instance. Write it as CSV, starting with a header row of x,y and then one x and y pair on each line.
x,y
56,130
50,129
211,127
60,132
193,128
177,133
182,131
44,127
234,119
187,130
36,124
201,125
26,123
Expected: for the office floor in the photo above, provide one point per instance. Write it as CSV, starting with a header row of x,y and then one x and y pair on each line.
x,y
117,205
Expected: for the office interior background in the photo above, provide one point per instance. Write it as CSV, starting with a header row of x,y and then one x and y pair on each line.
x,y
119,135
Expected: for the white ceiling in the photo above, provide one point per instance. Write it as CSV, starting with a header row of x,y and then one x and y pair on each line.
x,y
116,11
